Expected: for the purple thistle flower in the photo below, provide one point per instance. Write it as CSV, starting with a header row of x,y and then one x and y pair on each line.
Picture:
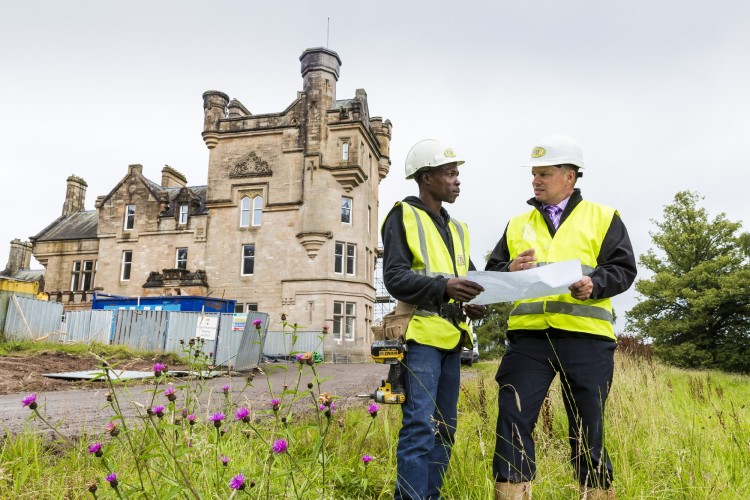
x,y
280,446
30,401
96,449
158,368
373,409
243,414
237,482
217,418
111,428
169,392
158,411
191,419
366,459
257,323
225,460
274,403
112,479
225,389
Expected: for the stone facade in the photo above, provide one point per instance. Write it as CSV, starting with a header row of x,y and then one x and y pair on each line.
x,y
287,222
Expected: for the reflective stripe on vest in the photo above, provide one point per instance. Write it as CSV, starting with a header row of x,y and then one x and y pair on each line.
x,y
579,237
430,257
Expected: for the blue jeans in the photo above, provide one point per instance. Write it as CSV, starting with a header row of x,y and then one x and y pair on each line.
x,y
431,381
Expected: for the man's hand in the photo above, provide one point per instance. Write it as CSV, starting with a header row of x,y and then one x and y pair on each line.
x,y
524,260
462,290
582,289
475,311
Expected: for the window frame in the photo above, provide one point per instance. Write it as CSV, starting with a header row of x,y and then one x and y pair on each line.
x,y
345,151
345,258
344,321
245,307
247,258
184,214
129,219
245,212
256,211
126,264
88,275
351,259
178,260
347,212
75,278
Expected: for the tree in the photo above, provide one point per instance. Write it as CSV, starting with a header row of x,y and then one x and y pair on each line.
x,y
491,331
696,305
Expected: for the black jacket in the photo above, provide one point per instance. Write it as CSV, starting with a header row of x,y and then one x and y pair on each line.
x,y
403,283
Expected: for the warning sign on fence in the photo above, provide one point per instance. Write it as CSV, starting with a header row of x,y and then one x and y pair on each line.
x,y
207,326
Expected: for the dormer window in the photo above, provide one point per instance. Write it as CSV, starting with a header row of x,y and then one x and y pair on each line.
x,y
183,217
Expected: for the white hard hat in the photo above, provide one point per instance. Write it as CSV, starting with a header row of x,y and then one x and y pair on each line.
x,y
429,153
556,150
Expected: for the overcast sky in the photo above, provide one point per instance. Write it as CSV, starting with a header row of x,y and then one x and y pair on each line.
x,y
656,92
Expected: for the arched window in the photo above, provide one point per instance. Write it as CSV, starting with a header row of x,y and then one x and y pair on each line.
x,y
257,210
245,212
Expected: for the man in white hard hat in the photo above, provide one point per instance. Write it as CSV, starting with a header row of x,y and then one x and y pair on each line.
x,y
570,334
425,260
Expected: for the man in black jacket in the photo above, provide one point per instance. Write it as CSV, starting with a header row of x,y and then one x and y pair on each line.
x,y
425,260
570,334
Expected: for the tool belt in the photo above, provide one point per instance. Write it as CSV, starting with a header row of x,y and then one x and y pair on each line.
x,y
396,322
448,310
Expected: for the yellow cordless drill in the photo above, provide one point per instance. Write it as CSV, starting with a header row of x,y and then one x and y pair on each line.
x,y
389,352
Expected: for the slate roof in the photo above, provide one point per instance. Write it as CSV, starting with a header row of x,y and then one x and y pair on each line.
x,y
28,275
81,225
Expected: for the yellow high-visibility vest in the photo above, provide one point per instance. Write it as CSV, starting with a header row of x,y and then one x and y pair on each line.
x,y
432,258
579,237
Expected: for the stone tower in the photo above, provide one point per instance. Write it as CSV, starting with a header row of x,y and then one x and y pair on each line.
x,y
315,168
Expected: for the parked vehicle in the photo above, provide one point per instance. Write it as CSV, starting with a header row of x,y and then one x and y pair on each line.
x,y
471,356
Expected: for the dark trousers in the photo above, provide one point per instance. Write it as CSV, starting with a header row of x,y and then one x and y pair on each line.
x,y
526,372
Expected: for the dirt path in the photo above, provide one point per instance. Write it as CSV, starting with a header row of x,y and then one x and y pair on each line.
x,y
85,406
76,406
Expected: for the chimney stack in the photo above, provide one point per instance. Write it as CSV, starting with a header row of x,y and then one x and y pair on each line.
x,y
75,195
19,257
172,178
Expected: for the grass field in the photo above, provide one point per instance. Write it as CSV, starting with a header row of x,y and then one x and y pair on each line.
x,y
670,433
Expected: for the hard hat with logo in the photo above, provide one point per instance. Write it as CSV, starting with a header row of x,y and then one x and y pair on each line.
x,y
556,150
429,153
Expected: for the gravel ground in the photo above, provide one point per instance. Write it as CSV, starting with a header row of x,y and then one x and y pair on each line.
x,y
74,407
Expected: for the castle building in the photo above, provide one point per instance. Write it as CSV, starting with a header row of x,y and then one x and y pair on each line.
x,y
286,223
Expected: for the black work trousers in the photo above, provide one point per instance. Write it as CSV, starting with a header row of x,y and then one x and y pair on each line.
x,y
585,365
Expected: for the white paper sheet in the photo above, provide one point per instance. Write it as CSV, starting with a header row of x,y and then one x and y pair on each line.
x,y
552,279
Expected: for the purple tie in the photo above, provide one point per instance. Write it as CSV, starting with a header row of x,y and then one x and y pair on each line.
x,y
554,213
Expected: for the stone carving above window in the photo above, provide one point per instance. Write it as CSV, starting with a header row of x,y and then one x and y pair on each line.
x,y
250,165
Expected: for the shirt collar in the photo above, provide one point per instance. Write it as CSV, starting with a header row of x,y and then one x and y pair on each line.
x,y
560,205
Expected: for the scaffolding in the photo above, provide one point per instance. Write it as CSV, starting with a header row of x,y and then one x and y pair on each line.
x,y
384,303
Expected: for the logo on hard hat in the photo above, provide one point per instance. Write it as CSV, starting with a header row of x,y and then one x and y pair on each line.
x,y
538,152
448,153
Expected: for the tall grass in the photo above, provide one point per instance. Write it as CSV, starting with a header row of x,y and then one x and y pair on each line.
x,y
670,433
